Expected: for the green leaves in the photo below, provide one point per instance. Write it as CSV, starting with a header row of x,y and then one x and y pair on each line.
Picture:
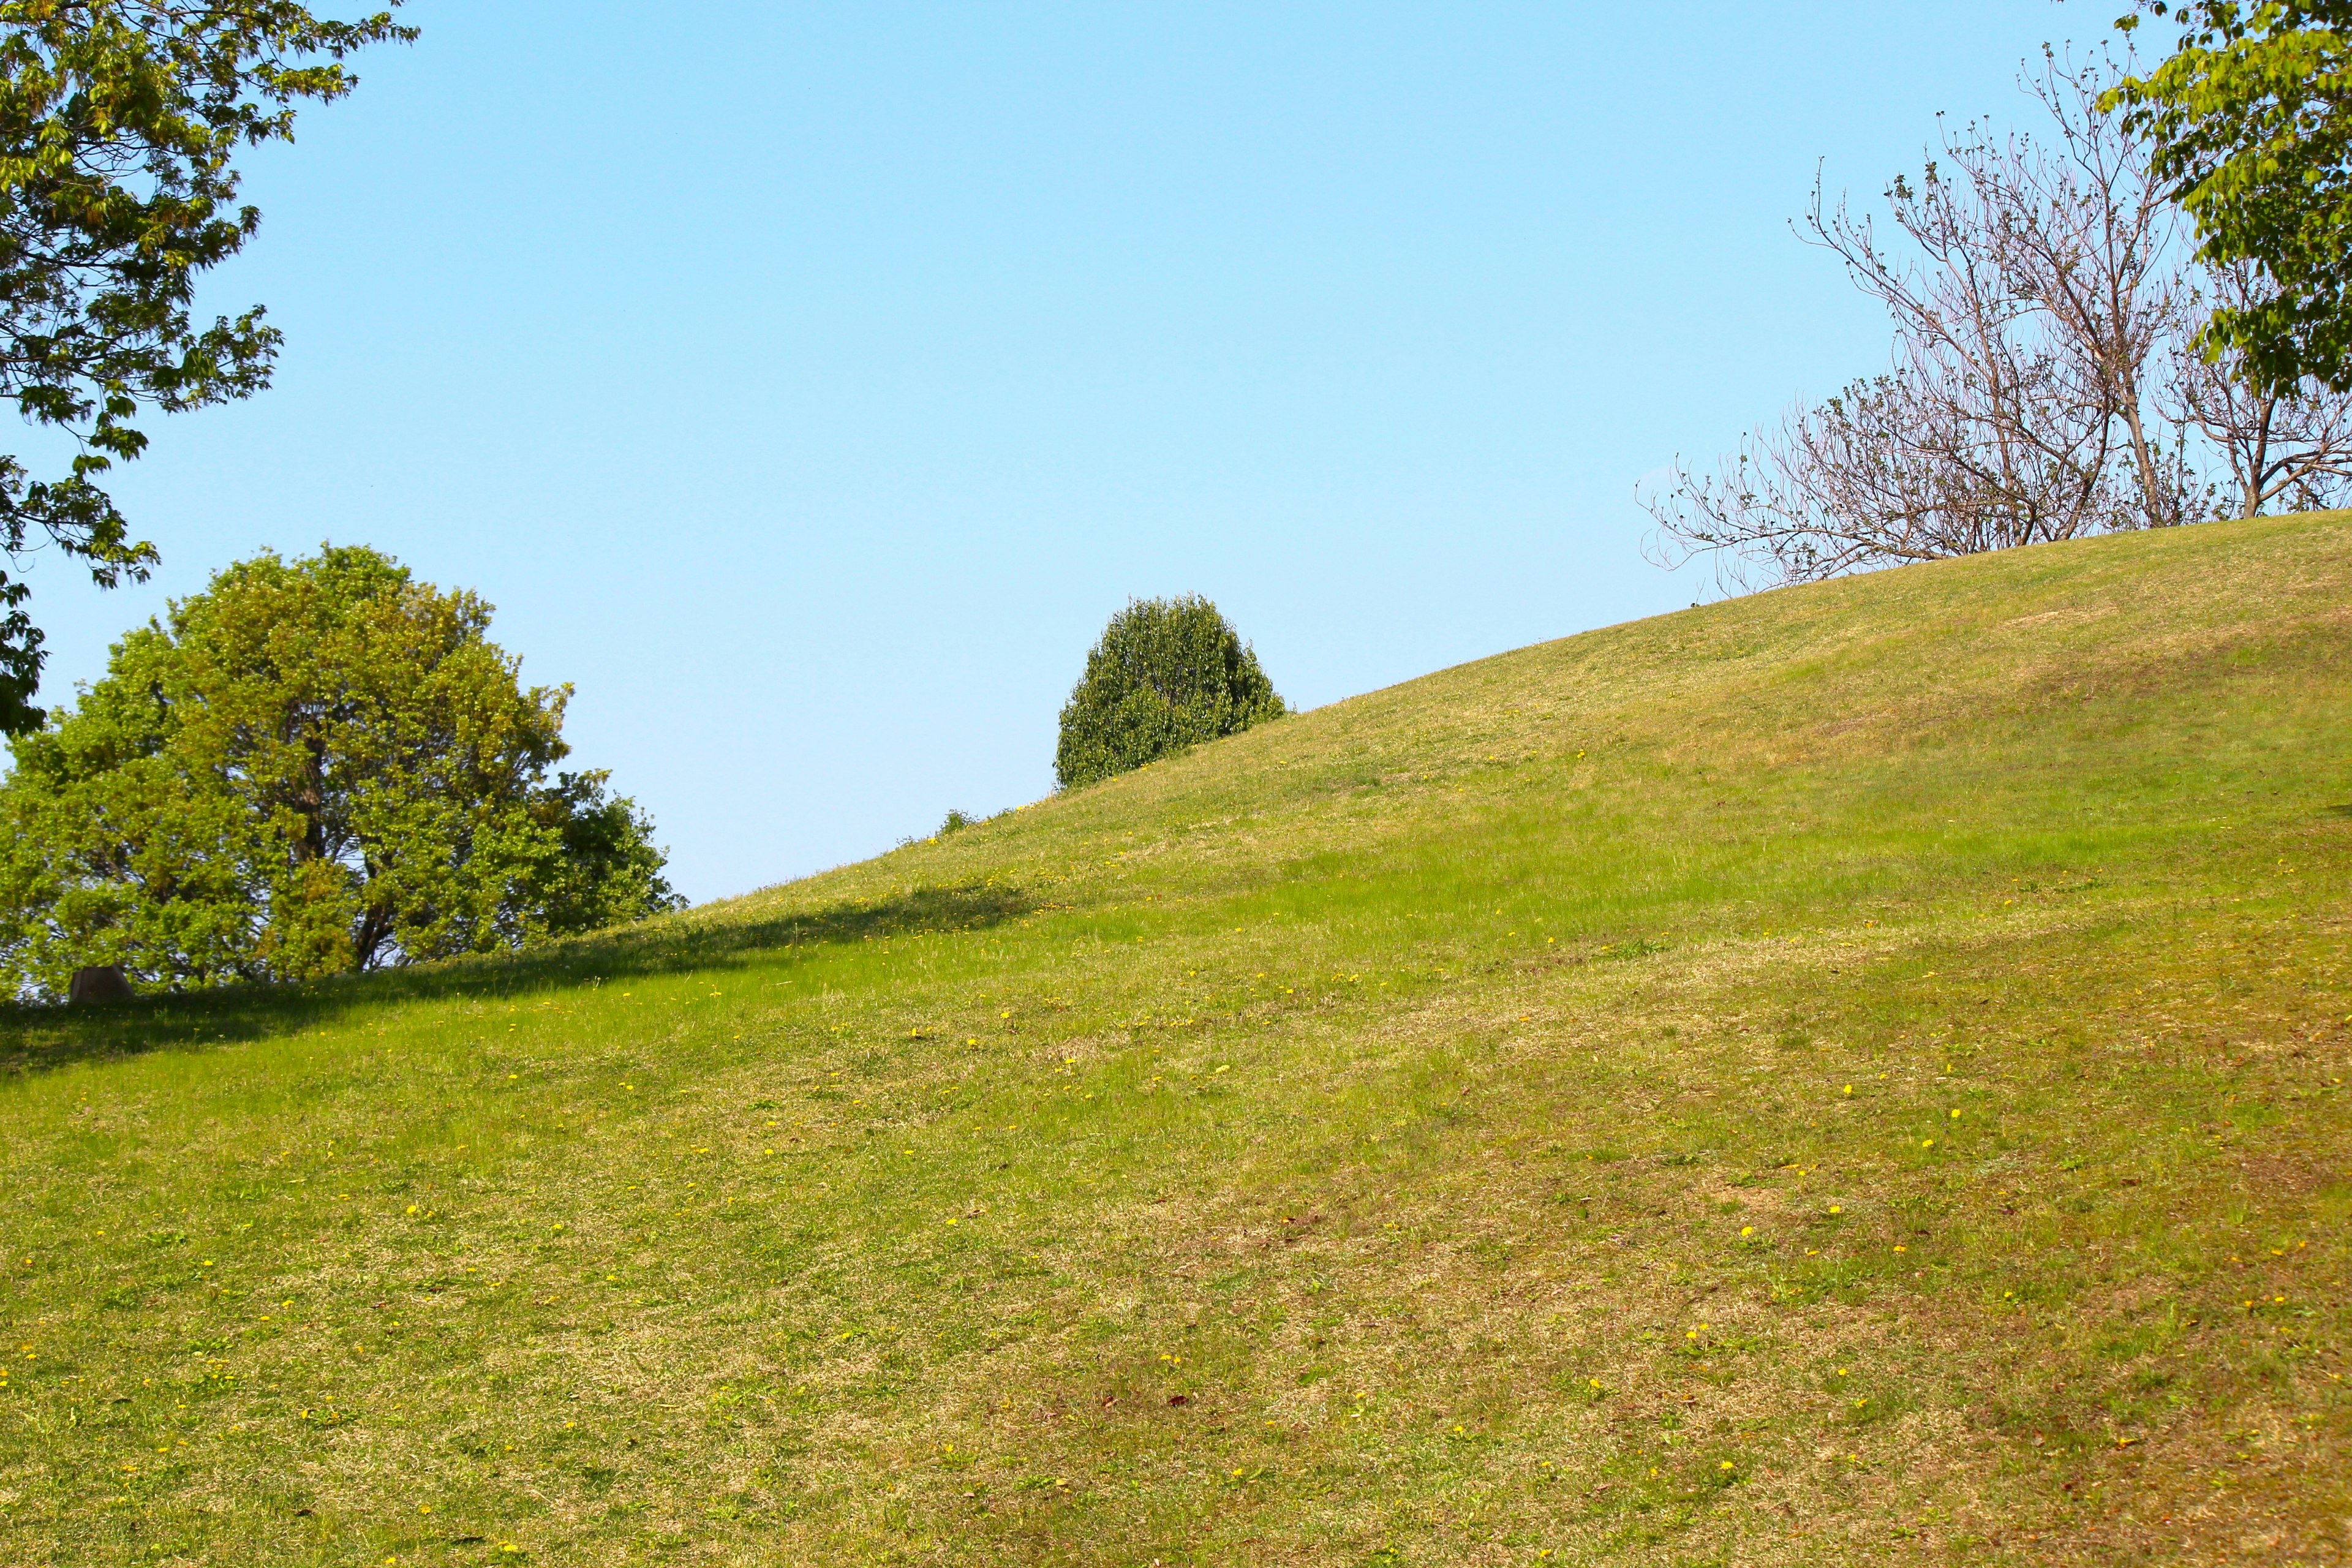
x,y
1168,674
2251,122
120,123
317,766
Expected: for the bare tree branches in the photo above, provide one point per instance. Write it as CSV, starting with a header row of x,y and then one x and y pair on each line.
x,y
2044,385
2292,446
1904,468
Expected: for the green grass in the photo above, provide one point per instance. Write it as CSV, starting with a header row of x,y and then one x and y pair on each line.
x,y
1851,1074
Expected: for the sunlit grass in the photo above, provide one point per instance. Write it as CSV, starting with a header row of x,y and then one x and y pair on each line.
x,y
1840,1074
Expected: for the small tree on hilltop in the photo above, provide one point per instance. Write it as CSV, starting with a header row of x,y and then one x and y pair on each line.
x,y
315,766
1168,674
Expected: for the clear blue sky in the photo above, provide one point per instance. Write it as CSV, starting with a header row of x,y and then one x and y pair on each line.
x,y
807,384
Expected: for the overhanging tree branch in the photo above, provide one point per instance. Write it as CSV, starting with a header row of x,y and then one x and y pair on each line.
x,y
121,122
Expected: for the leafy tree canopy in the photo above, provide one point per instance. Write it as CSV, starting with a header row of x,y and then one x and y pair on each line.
x,y
119,125
1168,673
315,766
2250,119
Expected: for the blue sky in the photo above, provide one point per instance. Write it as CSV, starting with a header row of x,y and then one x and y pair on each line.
x,y
806,385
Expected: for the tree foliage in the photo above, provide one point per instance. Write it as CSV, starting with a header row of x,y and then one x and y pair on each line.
x,y
2250,123
315,766
121,122
1168,673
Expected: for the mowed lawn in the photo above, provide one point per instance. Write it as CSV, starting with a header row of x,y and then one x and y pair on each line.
x,y
1851,1074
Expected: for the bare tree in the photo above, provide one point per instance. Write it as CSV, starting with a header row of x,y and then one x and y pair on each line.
x,y
2032,294
2094,242
1907,467
2296,446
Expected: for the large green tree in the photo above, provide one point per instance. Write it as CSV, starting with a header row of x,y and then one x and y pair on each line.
x,y
315,766
121,123
2250,121
1168,673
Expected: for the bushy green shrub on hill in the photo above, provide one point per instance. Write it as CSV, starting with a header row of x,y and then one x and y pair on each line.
x,y
315,766
1168,673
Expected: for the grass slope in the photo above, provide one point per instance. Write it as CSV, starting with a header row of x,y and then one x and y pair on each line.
x,y
1852,1074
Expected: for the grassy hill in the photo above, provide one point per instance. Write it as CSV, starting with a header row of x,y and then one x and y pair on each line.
x,y
1851,1074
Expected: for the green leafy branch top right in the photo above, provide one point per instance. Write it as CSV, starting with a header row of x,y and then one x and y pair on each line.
x,y
2249,123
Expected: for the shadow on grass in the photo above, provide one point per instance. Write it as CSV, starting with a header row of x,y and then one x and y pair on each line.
x,y
36,1039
